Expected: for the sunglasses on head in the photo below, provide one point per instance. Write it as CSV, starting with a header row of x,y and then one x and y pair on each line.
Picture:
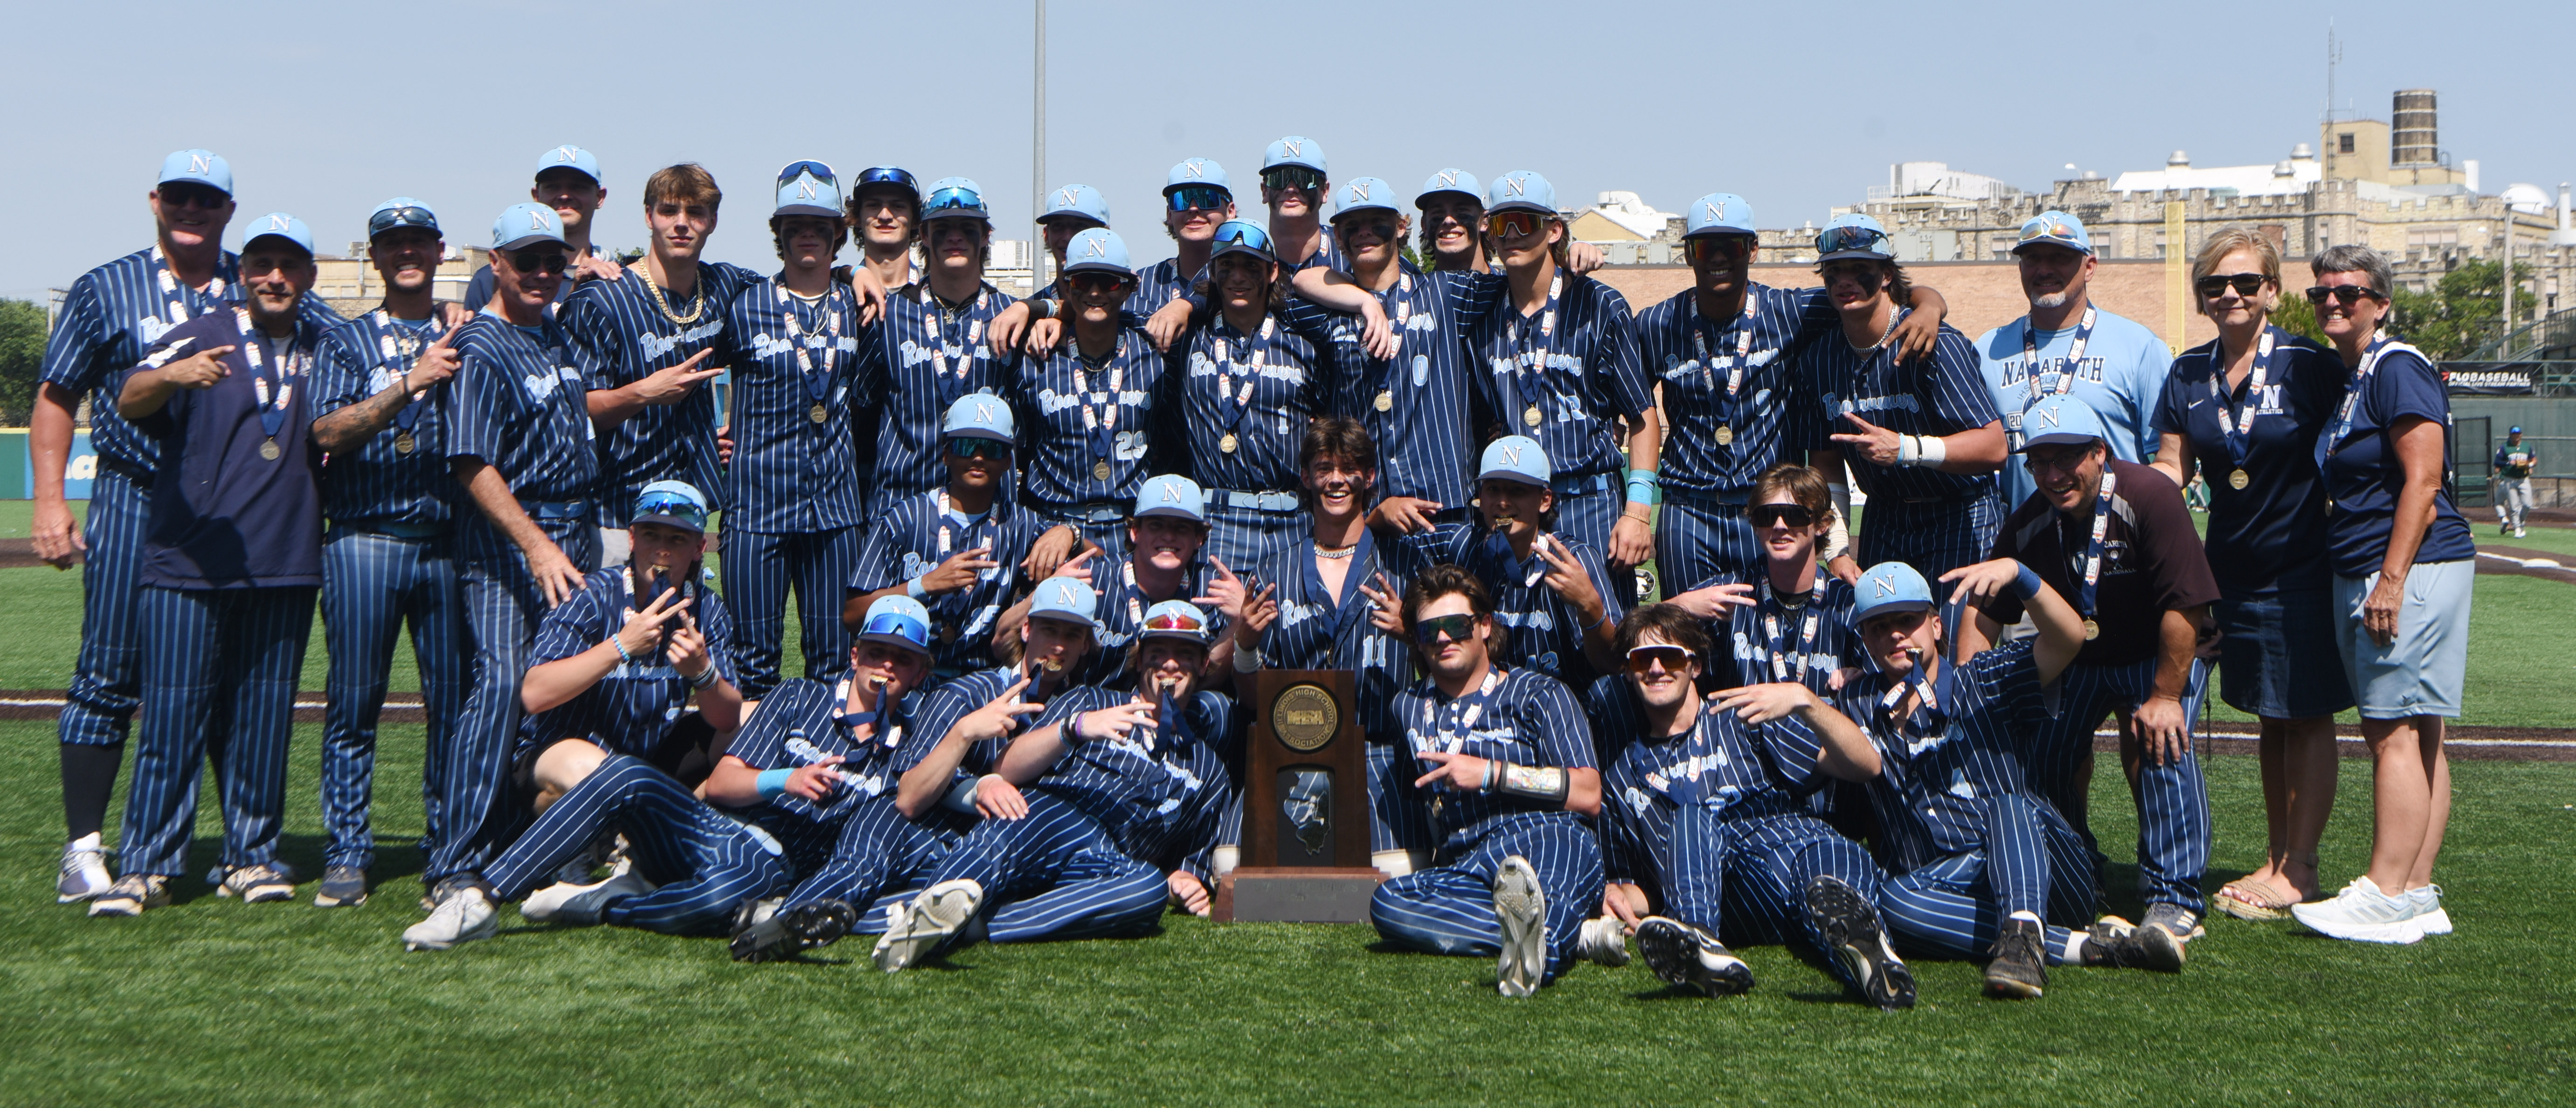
x,y
1197,198
1243,234
385,221
1429,629
888,175
1097,282
954,198
1512,225
672,505
184,195
1717,247
1642,659
1835,240
897,624
1291,177
968,446
1765,515
2346,295
820,171
539,261
2216,284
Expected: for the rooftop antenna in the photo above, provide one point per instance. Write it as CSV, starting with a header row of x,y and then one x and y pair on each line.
x,y
2334,54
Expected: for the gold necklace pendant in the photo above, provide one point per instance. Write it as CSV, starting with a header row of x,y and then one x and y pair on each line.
x,y
697,307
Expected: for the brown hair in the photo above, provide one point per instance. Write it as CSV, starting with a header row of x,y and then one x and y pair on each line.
x,y
685,183
778,238
1335,437
1669,622
1900,288
1447,580
2231,240
1804,485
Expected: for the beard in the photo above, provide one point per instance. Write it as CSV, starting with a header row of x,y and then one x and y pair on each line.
x,y
2052,300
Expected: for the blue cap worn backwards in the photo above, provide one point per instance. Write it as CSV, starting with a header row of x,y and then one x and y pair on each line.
x,y
677,503
1520,191
569,157
808,188
2060,418
1719,213
1076,202
1853,236
898,621
1451,180
401,211
1171,495
198,167
979,415
1066,599
1097,249
1516,458
278,225
1360,194
1197,171
1294,150
2054,228
1889,587
955,198
526,225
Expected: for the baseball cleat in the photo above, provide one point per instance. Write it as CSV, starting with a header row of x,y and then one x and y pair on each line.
x,y
1602,941
938,913
2429,913
342,887
258,884
581,905
1853,936
779,936
2019,970
131,894
2182,922
1521,907
1686,955
84,870
2115,942
466,915
433,894
2361,913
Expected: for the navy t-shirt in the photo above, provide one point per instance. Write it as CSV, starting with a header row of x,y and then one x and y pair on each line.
x,y
2270,535
223,516
2362,474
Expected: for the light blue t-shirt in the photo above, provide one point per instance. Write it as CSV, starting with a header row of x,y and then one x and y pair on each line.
x,y
2121,379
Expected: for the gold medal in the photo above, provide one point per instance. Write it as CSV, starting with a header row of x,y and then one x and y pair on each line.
x,y
948,632
1725,435
1533,416
268,449
1228,443
2092,630
817,414
1100,471
2239,479
403,443
1385,400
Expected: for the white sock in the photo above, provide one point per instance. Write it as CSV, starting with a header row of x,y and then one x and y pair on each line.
x,y
86,842
2074,946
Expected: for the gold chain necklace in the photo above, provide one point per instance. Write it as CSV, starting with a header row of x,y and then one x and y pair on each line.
x,y
697,307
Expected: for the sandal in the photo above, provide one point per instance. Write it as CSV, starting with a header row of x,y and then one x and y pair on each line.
x,y
2246,898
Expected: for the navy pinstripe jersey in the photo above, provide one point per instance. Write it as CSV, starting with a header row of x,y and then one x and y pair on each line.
x,y
377,483
1159,792
790,474
1062,403
480,289
1753,634
1582,374
1160,284
116,311
1529,719
224,515
1122,612
1315,630
1942,394
1745,771
518,404
1935,772
1328,254
798,724
629,710
1546,632
1289,373
1769,419
917,534
900,376
956,698
620,336
1429,430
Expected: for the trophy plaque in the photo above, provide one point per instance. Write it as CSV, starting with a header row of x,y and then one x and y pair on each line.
x,y
1305,849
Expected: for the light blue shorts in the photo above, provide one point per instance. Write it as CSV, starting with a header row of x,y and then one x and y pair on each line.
x,y
2420,674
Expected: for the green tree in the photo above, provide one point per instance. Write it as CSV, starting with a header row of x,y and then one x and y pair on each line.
x,y
22,353
2295,315
2460,313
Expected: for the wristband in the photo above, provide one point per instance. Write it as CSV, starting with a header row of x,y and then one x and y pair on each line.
x,y
1487,785
1547,783
961,796
705,676
1930,451
1041,308
1247,659
1644,487
1909,450
2026,585
619,642
773,783
913,589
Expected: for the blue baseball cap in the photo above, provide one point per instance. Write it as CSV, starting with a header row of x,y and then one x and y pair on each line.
x,y
808,188
677,503
1175,619
1719,213
401,211
1097,249
1889,587
955,198
1450,180
1516,458
1360,194
1294,150
889,176
2060,419
1234,236
526,224
1172,495
2054,228
2513,430
1066,599
201,167
569,157
1520,191
898,621
279,225
1853,236
1077,202
979,415
1197,171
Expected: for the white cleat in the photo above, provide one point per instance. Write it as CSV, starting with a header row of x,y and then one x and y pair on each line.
x,y
466,915
1602,942
84,870
916,929
2361,913
580,905
1521,907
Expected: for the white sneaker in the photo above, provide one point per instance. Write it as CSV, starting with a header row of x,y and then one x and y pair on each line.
x,y
2362,913
580,905
1521,907
1603,942
2519,532
2429,914
938,913
84,870
463,917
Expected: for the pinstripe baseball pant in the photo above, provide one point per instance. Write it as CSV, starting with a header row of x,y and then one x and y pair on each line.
x,y
1747,878
2173,801
1588,516
1110,536
372,583
219,674
706,864
2032,862
1054,874
1933,536
1247,539
503,604
1700,539
107,681
1449,908
881,859
1395,806
758,569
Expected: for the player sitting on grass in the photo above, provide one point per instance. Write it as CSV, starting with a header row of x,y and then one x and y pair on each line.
x,y
1707,806
1125,793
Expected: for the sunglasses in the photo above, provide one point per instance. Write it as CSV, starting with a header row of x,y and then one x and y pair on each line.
x,y
1835,240
1239,233
207,197
899,625
1291,177
1642,660
2346,295
1428,631
388,220
954,198
535,261
676,507
1717,248
967,446
1198,198
1095,282
1766,515
888,175
2215,285
1512,225
820,171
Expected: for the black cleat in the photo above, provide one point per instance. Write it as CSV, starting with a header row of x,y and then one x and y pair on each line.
x,y
2019,970
2113,943
787,933
1685,955
1852,935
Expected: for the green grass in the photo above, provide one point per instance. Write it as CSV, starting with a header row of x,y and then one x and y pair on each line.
x,y
211,1001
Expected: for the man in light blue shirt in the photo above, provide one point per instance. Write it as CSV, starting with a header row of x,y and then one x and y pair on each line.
x,y
2115,365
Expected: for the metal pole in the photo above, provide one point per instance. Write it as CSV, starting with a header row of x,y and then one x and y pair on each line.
x,y
2504,343
1037,157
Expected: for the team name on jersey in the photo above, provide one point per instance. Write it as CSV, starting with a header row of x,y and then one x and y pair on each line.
x,y
1689,367
1900,402
1688,769
654,346
152,327
1747,650
1202,366
763,346
913,353
1050,401
1570,363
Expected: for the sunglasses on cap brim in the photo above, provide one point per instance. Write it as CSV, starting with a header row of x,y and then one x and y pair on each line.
x,y
820,171
673,506
1244,235
1836,240
395,219
898,625
963,201
1175,621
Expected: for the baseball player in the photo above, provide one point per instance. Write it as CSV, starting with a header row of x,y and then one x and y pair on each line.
x,y
1070,211
1548,588
1506,756
1708,807
885,224
1453,223
1197,199
956,548
962,729
568,181
1166,539
1294,184
1921,433
1089,407
1979,863
797,514
1123,796
230,561
2513,461
1563,370
2069,346
379,394
930,348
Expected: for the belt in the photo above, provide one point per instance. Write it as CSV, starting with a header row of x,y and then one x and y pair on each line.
x,y
556,509
1728,504
388,529
1091,513
1582,484
141,475
1258,501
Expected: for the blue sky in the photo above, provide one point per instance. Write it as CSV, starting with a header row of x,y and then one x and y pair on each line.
x,y
325,109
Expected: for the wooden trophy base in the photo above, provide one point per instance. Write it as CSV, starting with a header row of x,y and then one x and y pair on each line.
x,y
1304,894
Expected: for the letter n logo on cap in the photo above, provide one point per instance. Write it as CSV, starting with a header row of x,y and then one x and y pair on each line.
x,y
1194,168
1515,183
1296,148
564,154
983,412
1359,192
2049,415
1883,585
1716,210
1448,176
1095,247
198,163
1511,454
1067,198
1064,594
805,188
277,223
536,221
1171,491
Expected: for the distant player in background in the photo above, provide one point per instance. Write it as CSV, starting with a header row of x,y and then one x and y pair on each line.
x,y
2513,461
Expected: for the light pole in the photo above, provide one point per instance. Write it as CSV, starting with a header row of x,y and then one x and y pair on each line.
x,y
1037,156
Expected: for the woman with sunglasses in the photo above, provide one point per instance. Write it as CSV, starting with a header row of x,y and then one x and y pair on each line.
x,y
2403,566
2244,412
930,350
1088,407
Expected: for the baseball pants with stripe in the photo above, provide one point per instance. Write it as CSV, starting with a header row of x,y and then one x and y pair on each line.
x,y
2172,799
503,604
1747,878
372,584
1449,908
1700,539
881,859
107,683
2032,862
705,864
758,570
219,675
1054,874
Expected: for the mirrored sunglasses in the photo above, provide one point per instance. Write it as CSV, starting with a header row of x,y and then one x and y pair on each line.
x,y
1198,198
1643,659
1428,631
1835,240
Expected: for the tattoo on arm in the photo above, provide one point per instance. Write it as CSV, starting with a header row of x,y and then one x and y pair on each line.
x,y
349,428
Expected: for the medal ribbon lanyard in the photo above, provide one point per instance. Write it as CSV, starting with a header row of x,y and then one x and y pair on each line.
x,y
1450,723
177,298
2084,605
1934,723
1780,668
2061,380
1734,370
400,346
1529,367
1100,409
934,320
2352,394
1257,354
2240,436
276,392
818,384
1398,302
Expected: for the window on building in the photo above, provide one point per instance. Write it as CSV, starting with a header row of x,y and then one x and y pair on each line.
x,y
2432,238
2343,142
